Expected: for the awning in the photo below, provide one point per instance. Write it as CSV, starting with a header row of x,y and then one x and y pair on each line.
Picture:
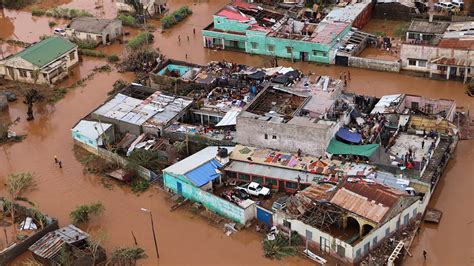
x,y
341,148
229,119
204,173
349,136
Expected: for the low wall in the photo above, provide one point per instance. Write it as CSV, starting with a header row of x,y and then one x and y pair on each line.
x,y
375,64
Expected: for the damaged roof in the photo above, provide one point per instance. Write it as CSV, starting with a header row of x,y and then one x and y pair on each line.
x,y
371,201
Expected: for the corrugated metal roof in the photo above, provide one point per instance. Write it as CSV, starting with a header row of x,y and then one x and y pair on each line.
x,y
467,44
385,102
272,171
204,173
327,32
90,24
46,51
425,26
371,201
318,192
195,160
91,129
229,119
465,62
51,243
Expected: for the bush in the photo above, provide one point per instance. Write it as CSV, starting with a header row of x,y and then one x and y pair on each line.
x,y
67,13
128,20
37,12
113,58
16,4
139,185
94,53
140,40
52,24
82,213
175,17
85,45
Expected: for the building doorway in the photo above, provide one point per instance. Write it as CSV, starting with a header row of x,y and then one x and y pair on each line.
x,y
304,56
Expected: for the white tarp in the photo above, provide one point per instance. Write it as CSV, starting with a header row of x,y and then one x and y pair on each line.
x,y
230,119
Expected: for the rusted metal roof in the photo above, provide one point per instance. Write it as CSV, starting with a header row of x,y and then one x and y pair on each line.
x,y
371,201
51,243
319,192
465,62
463,44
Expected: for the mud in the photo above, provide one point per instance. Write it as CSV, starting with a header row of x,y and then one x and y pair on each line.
x,y
184,238
376,53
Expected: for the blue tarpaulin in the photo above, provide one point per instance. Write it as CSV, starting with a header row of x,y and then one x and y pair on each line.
x,y
348,136
204,173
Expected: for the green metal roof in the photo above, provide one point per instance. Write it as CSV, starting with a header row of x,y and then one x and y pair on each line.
x,y
46,51
337,147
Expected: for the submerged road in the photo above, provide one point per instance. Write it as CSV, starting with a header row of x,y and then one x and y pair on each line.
x,y
183,238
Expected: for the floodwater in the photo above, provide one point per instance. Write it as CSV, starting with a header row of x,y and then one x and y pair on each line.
x,y
184,238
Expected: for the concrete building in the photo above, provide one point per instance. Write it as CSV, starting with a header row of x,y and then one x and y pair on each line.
x,y
93,133
449,56
292,118
139,109
94,30
358,217
254,30
195,177
45,62
153,7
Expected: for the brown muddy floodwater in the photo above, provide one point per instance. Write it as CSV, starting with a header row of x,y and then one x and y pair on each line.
x,y
183,238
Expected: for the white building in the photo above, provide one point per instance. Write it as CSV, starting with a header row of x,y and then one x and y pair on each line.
x,y
94,30
45,62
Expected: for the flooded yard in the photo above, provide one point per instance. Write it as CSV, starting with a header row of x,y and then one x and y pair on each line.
x,y
184,238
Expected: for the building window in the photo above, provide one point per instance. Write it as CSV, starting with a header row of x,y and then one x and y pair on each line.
x,y
266,136
319,53
287,224
358,253
415,211
254,45
387,231
291,185
244,177
89,37
374,242
422,63
231,174
398,224
271,48
442,68
406,218
412,35
72,55
23,73
257,179
270,182
274,137
289,49
411,62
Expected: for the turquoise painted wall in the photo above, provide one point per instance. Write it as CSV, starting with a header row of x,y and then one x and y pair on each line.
x,y
223,23
257,42
209,200
88,141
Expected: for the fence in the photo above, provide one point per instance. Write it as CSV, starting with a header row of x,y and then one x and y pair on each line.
x,y
375,64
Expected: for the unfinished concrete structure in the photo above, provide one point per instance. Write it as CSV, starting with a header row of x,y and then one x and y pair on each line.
x,y
292,119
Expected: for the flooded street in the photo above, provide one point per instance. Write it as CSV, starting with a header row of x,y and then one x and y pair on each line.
x,y
185,238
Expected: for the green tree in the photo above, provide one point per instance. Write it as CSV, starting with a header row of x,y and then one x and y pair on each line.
x,y
149,159
83,212
17,184
136,5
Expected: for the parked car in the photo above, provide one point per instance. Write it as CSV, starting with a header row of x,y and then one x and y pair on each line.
x,y
458,4
59,31
255,189
444,6
279,204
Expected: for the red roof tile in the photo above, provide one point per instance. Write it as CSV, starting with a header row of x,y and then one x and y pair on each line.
x,y
233,14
